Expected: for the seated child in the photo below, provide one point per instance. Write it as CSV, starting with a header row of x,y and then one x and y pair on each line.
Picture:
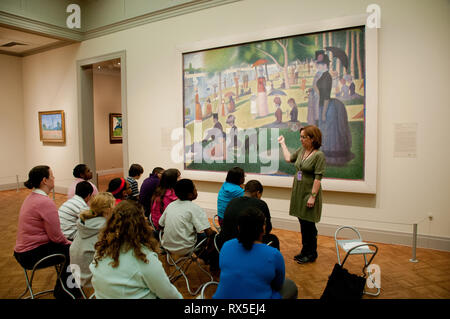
x,y
163,196
134,173
119,188
251,198
230,189
148,187
89,224
125,264
81,172
185,223
70,210
250,269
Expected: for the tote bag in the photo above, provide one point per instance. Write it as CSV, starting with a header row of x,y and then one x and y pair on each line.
x,y
343,285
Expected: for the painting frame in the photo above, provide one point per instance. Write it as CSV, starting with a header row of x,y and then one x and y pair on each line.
x,y
55,135
114,138
369,183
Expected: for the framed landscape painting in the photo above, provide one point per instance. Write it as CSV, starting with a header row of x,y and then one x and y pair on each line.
x,y
52,127
239,98
115,128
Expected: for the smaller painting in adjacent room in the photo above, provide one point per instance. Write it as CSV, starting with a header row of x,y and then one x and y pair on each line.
x,y
115,128
52,127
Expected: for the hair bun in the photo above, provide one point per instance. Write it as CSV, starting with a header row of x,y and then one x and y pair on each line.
x,y
28,184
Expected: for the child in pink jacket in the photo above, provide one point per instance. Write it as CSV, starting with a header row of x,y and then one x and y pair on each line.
x,y
164,194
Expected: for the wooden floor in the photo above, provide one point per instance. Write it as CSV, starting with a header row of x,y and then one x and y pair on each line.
x,y
400,279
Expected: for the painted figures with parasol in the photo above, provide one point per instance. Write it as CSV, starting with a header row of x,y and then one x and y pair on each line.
x,y
333,120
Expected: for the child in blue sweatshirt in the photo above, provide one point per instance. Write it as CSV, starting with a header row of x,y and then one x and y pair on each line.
x,y
232,188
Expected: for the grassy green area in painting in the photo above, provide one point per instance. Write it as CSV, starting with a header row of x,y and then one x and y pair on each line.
x,y
117,132
353,170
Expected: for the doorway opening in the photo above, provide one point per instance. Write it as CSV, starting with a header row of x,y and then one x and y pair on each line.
x,y
102,117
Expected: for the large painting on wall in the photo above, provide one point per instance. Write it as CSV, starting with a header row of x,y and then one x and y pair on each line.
x,y
238,99
52,127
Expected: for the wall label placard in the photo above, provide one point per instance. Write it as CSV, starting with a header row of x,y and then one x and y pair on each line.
x,y
405,140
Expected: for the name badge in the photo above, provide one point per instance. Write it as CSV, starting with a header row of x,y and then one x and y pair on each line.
x,y
299,175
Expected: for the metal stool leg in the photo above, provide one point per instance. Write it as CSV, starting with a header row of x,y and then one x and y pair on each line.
x,y
28,288
29,280
181,266
61,282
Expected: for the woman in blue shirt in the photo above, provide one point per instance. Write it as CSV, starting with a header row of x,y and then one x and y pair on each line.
x,y
230,189
260,272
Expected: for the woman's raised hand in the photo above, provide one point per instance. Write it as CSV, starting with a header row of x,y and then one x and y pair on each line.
x,y
281,139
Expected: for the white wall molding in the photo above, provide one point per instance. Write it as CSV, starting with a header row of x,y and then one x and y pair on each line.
x,y
42,28
58,32
154,17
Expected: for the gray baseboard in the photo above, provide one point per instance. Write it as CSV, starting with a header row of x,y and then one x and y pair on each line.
x,y
10,186
371,235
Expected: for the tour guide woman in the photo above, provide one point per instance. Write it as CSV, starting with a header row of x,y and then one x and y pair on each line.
x,y
306,197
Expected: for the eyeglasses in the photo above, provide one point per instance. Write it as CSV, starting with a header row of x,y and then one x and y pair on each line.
x,y
303,137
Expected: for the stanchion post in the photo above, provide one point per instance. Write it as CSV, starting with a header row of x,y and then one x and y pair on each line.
x,y
53,193
414,245
17,183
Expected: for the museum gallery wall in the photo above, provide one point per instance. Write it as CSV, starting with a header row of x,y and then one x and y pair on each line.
x,y
411,90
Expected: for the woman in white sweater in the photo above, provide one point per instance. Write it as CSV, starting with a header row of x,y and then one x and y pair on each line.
x,y
125,264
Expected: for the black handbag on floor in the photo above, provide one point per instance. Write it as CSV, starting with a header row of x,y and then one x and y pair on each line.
x,y
343,285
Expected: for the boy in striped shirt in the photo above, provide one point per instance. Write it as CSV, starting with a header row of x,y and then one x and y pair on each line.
x,y
134,173
70,210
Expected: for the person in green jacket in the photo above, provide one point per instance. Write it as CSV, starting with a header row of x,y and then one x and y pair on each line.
x,y
306,197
